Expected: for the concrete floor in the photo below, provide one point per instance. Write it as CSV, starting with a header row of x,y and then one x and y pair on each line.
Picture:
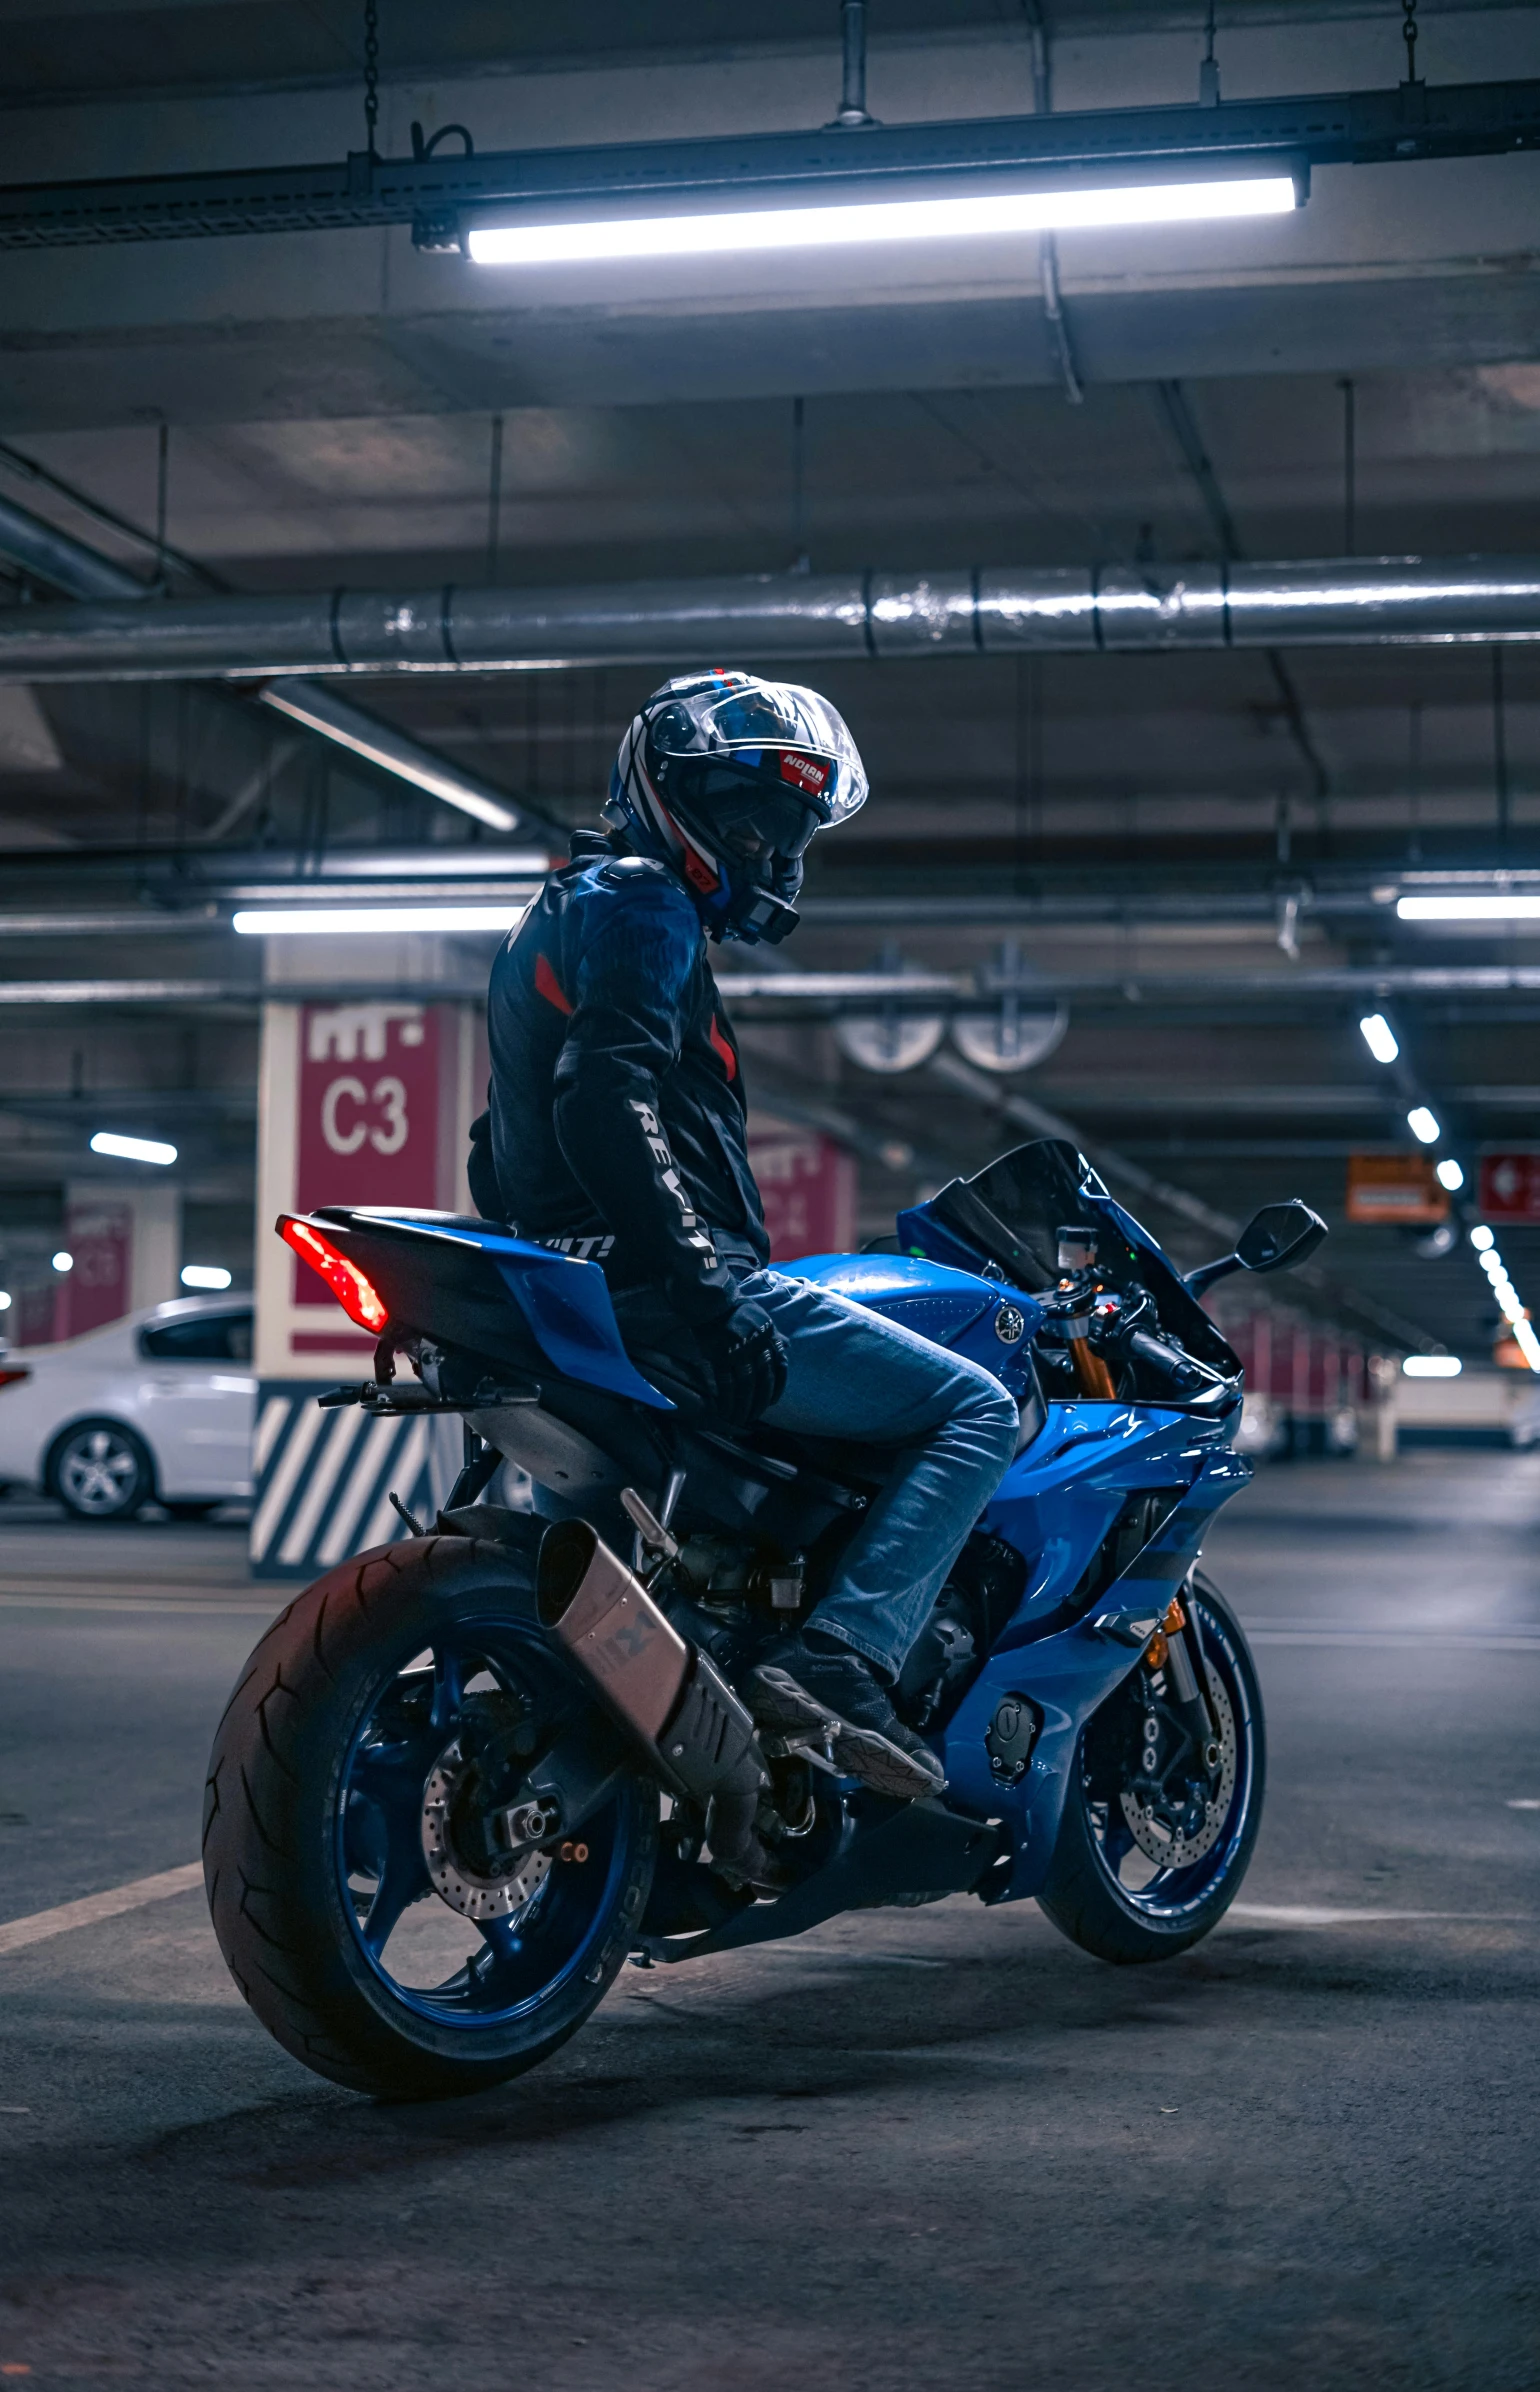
x,y
916,2148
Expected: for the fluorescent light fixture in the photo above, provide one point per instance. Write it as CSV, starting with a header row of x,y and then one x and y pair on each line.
x,y
1379,1038
446,863
1449,1175
205,1274
1510,908
133,1150
1528,1343
1493,1265
1424,1125
391,750
1431,1366
837,223
1482,1239
383,921
63,1261
5,1299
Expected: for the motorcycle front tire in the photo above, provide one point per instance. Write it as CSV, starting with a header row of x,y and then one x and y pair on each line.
x,y
1083,1895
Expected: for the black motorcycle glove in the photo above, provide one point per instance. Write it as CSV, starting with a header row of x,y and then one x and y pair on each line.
x,y
745,1354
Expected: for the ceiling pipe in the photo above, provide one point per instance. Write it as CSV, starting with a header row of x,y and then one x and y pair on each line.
x,y
804,996
50,555
783,619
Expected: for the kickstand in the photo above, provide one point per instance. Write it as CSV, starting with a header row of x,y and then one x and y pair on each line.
x,y
415,1526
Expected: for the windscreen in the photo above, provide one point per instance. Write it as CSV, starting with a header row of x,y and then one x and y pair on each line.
x,y
1045,1186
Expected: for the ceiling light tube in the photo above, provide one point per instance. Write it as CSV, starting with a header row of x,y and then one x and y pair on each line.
x,y
1449,1175
1528,1344
838,223
205,1274
133,1150
1455,908
1431,1366
1423,1125
1379,1038
1482,1239
382,921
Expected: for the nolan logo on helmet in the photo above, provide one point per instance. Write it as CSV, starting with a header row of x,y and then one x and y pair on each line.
x,y
805,772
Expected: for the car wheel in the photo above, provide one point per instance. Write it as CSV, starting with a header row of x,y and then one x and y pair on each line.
x,y
101,1471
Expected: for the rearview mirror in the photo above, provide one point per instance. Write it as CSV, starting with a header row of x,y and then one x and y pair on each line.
x,y
1275,1239
1279,1237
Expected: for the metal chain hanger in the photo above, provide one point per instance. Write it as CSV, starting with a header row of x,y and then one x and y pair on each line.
x,y
371,74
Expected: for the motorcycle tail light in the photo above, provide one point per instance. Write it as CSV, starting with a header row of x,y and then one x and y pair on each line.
x,y
13,1378
354,1290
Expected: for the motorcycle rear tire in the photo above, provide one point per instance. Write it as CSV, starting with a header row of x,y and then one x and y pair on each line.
x,y
269,1837
1079,1894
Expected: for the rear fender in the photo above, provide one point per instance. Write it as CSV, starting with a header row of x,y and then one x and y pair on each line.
x,y
419,1262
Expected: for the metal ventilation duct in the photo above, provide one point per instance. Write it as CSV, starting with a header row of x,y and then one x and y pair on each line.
x,y
785,619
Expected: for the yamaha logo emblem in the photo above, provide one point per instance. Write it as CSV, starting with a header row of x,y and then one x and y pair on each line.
x,y
1009,1324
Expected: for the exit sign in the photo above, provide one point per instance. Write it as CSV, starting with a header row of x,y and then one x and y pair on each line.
x,y
1510,1186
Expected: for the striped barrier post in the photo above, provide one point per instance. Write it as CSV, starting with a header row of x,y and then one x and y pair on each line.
x,y
323,1480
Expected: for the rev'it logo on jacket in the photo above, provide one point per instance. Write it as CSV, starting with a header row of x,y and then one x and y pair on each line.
x,y
805,772
695,1231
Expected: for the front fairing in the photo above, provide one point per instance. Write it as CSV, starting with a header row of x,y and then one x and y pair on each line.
x,y
1066,1648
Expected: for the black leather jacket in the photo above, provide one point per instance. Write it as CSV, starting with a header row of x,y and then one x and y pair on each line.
x,y
616,1121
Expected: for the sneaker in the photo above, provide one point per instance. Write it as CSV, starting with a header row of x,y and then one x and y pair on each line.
x,y
839,1695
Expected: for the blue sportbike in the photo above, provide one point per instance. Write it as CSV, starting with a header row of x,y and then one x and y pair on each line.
x,y
466,1776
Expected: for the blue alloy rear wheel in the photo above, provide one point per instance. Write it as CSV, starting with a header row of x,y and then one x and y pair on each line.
x,y
1135,1879
368,1919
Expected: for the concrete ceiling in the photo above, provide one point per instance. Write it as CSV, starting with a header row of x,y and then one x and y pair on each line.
x,y
329,402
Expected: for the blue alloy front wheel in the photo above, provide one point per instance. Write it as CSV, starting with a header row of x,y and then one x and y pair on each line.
x,y
1151,1851
390,1908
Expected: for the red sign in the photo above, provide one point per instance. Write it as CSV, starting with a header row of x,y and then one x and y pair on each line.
x,y
368,1112
1510,1187
808,1188
101,1238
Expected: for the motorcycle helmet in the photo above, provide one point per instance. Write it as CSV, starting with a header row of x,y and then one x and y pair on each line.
x,y
726,778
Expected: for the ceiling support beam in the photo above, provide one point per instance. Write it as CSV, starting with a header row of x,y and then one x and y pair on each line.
x,y
436,194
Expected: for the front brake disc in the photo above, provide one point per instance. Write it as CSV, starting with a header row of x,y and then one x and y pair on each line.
x,y
1157,1836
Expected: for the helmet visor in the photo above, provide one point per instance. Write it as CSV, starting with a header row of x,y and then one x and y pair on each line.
x,y
772,716
751,821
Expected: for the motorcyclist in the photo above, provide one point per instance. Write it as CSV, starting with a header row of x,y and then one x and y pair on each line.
x,y
616,1132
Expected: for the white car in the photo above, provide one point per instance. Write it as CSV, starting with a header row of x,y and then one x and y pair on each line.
x,y
157,1407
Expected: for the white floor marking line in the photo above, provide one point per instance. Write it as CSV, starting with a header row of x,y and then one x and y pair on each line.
x,y
212,1608
1473,1641
1292,1914
19,1933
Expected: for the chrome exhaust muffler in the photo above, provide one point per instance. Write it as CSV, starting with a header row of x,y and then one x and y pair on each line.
x,y
668,1697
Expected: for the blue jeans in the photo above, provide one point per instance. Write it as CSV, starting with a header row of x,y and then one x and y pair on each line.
x,y
952,1430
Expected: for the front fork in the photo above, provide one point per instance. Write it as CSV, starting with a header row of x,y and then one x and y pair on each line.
x,y
1175,1649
